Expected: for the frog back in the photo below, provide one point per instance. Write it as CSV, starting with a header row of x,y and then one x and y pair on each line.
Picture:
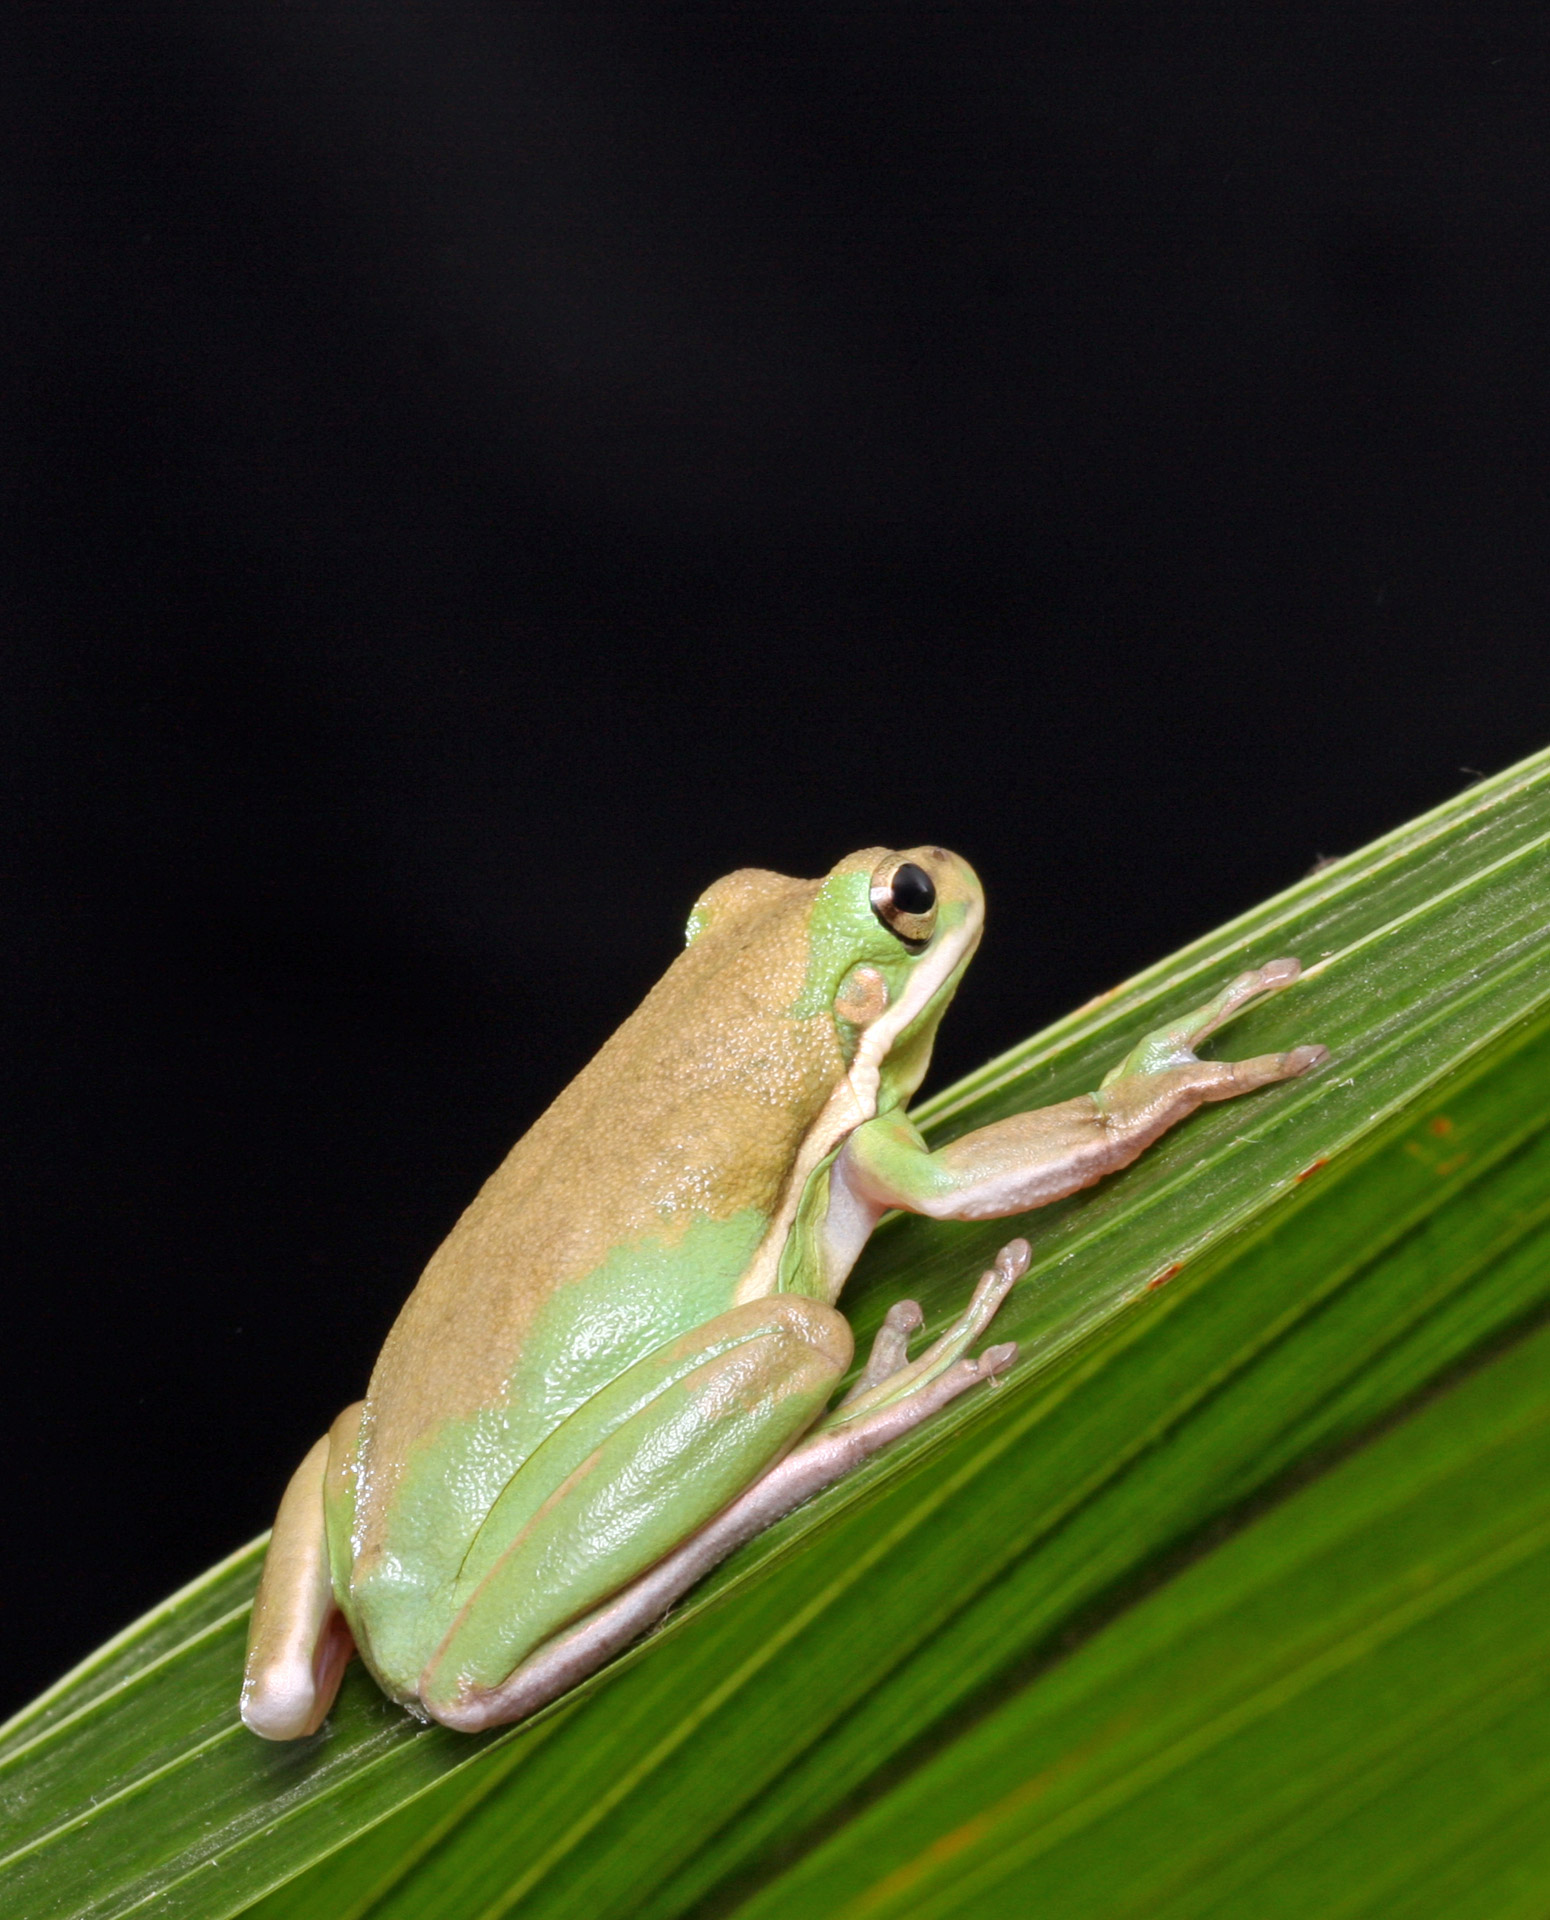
x,y
627,1215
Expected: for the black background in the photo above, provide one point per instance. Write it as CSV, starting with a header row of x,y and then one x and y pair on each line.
x,y
472,476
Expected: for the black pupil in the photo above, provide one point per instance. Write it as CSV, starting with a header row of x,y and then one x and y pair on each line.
x,y
913,889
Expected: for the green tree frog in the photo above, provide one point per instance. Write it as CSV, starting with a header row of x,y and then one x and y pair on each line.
x,y
620,1363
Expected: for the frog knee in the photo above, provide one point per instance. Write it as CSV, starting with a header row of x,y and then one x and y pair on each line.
x,y
813,1325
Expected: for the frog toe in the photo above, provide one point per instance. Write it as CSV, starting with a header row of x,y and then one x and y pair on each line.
x,y
890,1347
947,1354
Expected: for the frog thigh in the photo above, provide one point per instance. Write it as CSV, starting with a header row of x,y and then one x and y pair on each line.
x,y
298,1640
654,1479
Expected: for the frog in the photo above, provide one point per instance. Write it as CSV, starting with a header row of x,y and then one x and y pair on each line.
x,y
626,1358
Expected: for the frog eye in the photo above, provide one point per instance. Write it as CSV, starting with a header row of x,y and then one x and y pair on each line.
x,y
904,899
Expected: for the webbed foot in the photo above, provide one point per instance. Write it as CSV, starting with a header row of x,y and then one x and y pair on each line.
x,y
890,1377
1174,1046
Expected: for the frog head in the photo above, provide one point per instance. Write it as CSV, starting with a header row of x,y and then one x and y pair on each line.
x,y
889,937
872,953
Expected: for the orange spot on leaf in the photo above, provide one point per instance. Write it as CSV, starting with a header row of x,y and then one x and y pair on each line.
x,y
1441,1125
1308,1172
1162,1279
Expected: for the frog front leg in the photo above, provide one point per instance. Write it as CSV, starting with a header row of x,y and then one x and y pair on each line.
x,y
1032,1158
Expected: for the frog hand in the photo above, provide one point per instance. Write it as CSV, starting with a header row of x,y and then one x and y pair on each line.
x,y
1175,1046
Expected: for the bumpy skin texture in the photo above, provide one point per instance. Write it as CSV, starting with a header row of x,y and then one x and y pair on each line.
x,y
627,1219
603,1379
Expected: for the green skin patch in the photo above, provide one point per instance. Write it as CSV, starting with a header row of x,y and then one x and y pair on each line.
x,y
843,932
588,1337
709,1423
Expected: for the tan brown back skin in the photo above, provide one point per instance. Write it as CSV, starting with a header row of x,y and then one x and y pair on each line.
x,y
695,1107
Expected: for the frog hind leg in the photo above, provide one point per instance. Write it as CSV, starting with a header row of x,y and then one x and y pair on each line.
x,y
900,1396
298,1640
756,1379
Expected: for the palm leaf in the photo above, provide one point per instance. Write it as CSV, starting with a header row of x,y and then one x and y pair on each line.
x,y
1223,1603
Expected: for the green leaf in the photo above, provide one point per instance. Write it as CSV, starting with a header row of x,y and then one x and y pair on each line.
x,y
1232,1743
1221,1598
